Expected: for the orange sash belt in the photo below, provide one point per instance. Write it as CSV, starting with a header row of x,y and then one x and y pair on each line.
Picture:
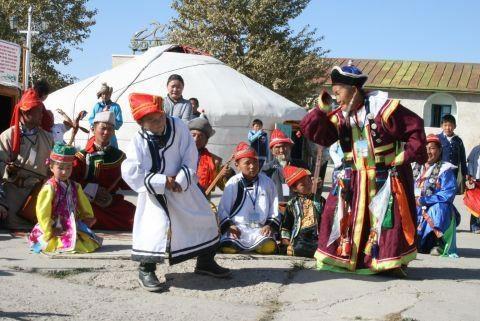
x,y
407,224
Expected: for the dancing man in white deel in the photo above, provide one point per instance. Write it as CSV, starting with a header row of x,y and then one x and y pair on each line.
x,y
173,218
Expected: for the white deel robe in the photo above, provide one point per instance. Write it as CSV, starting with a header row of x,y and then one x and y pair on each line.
x,y
167,224
236,207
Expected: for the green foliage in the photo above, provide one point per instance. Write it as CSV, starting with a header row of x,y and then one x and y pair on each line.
x,y
254,37
68,24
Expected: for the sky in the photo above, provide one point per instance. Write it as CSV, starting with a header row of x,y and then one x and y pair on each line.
x,y
425,30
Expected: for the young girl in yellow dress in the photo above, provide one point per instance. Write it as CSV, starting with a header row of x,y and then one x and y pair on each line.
x,y
63,211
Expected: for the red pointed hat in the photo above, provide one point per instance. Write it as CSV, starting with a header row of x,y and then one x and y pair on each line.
x,y
432,138
142,105
278,137
29,101
243,150
293,174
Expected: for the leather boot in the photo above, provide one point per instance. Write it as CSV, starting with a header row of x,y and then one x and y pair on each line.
x,y
206,265
147,277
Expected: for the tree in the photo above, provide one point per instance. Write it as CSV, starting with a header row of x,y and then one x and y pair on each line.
x,y
254,37
66,24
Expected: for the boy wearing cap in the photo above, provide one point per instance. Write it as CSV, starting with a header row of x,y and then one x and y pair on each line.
x,y
24,147
281,148
209,164
173,218
106,104
435,190
63,211
248,209
380,138
302,215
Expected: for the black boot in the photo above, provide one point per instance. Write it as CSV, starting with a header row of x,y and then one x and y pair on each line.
x,y
147,278
206,265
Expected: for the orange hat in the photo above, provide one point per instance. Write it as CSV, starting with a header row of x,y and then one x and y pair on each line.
x,y
243,150
29,101
293,174
278,137
432,138
144,104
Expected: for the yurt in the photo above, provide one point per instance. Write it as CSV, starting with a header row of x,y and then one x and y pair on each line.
x,y
230,100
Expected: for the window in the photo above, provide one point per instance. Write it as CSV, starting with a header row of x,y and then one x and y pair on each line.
x,y
438,111
436,106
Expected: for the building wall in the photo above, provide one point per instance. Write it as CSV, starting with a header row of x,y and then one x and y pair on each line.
x,y
467,113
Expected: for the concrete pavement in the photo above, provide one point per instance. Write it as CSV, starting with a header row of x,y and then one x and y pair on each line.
x,y
103,286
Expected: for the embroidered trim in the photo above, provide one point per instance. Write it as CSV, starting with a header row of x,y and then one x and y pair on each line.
x,y
171,139
384,148
239,245
201,251
146,181
429,183
388,110
241,195
186,171
215,239
274,221
149,252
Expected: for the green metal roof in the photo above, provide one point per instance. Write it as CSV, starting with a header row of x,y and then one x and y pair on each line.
x,y
416,75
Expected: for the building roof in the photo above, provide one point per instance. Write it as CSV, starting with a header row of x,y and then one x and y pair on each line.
x,y
417,75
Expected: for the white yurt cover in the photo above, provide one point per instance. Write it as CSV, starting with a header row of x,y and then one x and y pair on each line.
x,y
230,99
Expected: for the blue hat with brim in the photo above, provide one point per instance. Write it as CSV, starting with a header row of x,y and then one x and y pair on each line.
x,y
348,75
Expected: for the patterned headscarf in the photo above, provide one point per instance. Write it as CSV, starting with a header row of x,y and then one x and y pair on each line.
x,y
29,101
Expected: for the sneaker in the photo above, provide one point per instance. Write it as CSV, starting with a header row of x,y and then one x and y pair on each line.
x,y
149,281
213,269
436,251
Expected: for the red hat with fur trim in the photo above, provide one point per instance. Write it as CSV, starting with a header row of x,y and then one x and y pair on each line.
x,y
293,174
142,105
278,137
243,150
432,138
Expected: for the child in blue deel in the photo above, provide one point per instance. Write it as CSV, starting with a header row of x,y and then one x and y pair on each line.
x,y
258,139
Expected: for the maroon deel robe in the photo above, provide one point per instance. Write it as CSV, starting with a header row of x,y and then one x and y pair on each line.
x,y
104,169
395,138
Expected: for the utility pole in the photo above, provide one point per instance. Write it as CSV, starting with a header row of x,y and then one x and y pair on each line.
x,y
28,49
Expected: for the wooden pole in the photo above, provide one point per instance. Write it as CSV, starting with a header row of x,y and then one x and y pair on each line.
x,y
219,175
318,166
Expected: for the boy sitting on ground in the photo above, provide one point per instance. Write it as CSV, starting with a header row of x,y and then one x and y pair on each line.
x,y
248,210
302,216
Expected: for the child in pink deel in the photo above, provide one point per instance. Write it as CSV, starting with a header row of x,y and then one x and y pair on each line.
x,y
63,211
